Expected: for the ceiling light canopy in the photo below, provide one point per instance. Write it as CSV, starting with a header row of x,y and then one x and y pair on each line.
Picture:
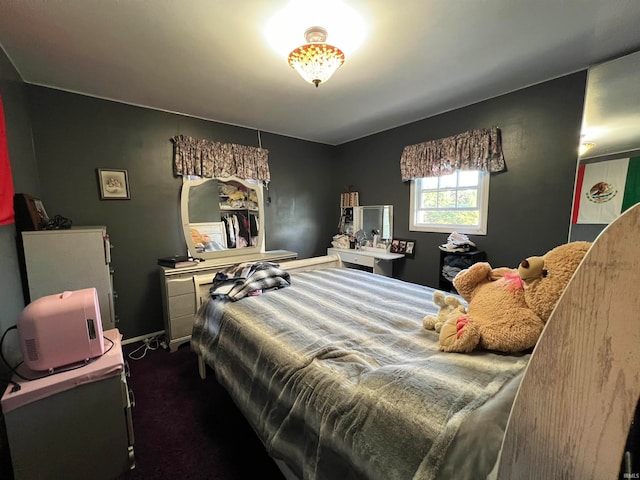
x,y
345,25
316,61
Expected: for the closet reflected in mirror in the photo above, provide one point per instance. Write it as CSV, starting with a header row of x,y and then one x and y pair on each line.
x,y
222,217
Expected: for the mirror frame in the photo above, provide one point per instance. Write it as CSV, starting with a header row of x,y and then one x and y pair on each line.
x,y
358,218
187,184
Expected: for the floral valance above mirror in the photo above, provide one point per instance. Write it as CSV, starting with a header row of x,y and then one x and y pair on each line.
x,y
208,159
479,149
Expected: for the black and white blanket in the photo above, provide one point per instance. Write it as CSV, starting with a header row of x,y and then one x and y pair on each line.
x,y
250,278
340,380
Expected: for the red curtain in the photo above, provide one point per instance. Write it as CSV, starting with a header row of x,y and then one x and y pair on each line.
x,y
6,181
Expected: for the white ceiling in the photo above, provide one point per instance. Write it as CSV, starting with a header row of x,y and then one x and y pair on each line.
x,y
210,58
611,118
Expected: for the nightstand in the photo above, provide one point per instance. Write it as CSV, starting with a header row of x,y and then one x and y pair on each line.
x,y
460,260
72,425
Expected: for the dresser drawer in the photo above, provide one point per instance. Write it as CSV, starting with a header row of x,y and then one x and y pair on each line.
x,y
182,305
180,286
181,327
363,260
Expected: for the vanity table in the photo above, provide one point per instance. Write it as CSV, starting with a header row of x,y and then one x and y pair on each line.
x,y
366,221
378,260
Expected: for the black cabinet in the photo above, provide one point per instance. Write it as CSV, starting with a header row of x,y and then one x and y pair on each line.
x,y
453,262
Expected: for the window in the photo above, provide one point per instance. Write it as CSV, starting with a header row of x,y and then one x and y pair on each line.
x,y
451,203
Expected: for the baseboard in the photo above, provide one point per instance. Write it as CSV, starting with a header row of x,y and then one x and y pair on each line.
x,y
142,337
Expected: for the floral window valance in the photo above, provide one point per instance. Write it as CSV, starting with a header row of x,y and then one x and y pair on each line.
x,y
217,160
479,149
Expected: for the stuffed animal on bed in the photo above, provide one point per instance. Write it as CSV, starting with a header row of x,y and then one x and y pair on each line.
x,y
507,308
450,306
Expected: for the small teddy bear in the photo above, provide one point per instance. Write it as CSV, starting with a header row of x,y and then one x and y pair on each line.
x,y
507,309
449,306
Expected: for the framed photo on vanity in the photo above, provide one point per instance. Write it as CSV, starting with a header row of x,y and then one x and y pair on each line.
x,y
410,248
404,246
113,184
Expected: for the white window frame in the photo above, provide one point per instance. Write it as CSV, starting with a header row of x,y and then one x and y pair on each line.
x,y
483,204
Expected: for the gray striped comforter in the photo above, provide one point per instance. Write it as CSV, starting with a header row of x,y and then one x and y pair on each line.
x,y
339,379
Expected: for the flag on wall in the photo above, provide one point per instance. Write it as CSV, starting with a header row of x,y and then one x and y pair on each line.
x,y
606,189
6,180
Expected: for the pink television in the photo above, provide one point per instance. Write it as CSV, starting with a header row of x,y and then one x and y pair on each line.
x,y
61,329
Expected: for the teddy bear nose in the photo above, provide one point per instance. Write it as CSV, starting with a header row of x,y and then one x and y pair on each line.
x,y
524,263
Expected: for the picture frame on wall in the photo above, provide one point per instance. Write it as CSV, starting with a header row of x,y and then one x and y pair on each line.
x,y
404,246
113,184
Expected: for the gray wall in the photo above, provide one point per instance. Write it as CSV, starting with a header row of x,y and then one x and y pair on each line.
x,y
74,135
529,204
25,177
24,174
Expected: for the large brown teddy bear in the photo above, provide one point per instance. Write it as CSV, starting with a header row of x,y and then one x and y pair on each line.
x,y
508,308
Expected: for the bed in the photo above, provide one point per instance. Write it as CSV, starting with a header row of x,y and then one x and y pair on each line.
x,y
339,380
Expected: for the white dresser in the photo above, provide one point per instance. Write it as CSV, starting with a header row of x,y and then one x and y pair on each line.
x,y
73,259
179,298
377,260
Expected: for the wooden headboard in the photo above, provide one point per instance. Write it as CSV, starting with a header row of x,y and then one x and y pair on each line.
x,y
577,399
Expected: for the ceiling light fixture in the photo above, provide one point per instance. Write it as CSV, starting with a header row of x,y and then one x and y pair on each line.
x,y
585,147
316,61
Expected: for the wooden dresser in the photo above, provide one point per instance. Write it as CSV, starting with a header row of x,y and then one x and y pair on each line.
x,y
179,299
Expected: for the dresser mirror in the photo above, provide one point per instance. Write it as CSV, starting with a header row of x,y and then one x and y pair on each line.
x,y
376,222
222,217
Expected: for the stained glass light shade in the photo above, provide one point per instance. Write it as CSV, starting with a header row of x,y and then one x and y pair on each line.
x,y
316,61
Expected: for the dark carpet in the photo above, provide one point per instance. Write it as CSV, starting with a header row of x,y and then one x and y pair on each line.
x,y
186,427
